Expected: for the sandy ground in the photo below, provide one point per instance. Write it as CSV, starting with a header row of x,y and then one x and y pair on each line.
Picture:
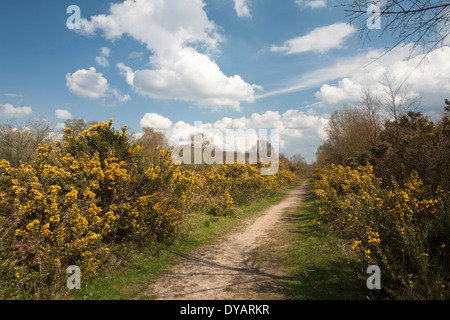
x,y
223,270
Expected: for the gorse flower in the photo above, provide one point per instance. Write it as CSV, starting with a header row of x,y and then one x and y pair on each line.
x,y
403,229
96,189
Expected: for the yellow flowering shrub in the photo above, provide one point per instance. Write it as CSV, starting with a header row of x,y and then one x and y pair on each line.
x,y
95,190
79,197
402,229
231,185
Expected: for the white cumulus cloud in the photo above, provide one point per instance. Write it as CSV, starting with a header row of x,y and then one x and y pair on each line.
x,y
9,111
92,84
302,131
87,83
430,79
155,121
345,91
181,39
190,76
63,114
242,9
319,40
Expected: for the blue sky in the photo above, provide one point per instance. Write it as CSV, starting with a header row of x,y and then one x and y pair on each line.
x,y
283,64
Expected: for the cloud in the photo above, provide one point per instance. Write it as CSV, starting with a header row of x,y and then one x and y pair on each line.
x,y
428,79
190,76
63,114
160,25
313,4
9,111
17,98
346,91
12,95
340,81
155,121
87,83
342,67
319,40
102,60
181,39
299,130
135,55
120,97
242,9
60,126
92,84
106,52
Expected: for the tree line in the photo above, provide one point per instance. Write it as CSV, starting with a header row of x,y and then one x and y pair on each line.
x,y
382,182
18,143
390,133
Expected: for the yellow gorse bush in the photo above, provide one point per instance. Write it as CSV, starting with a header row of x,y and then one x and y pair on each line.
x,y
76,199
95,190
402,229
233,184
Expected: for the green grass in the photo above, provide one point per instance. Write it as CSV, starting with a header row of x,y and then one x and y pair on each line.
x,y
129,277
316,261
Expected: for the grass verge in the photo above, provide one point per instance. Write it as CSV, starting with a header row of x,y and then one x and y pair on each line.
x,y
317,261
129,276
313,263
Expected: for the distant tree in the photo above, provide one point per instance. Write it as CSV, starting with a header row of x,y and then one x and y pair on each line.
x,y
19,144
299,165
397,108
77,126
264,148
152,141
370,107
407,141
297,159
394,99
191,153
350,133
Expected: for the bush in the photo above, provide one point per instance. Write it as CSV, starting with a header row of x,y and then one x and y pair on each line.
x,y
75,200
402,229
81,198
233,184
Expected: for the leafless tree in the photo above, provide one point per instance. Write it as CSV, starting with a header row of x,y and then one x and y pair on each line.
x,y
394,100
371,109
19,143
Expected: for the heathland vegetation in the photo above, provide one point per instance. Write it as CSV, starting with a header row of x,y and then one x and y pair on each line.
x,y
82,199
88,198
382,183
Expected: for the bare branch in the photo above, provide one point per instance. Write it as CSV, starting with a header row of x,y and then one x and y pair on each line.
x,y
424,23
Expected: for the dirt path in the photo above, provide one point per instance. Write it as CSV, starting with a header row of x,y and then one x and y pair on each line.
x,y
223,270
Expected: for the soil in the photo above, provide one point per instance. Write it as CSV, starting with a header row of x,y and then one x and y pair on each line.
x,y
226,270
